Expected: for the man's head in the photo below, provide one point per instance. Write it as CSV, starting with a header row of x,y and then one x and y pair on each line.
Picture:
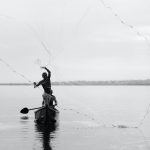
x,y
44,75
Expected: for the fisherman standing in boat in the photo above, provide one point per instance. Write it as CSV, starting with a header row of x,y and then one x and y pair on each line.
x,y
48,98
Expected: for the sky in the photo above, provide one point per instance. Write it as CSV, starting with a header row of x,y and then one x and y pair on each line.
x,y
76,39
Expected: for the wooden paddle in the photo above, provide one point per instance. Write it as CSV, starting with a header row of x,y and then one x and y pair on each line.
x,y
26,110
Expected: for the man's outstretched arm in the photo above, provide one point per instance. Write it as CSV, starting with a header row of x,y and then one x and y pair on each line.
x,y
37,84
49,72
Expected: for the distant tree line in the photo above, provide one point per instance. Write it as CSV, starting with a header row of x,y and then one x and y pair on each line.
x,y
112,82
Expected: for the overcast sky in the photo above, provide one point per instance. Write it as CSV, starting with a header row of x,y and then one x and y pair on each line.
x,y
83,39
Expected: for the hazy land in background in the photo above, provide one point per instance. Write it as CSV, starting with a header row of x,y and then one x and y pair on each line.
x,y
111,82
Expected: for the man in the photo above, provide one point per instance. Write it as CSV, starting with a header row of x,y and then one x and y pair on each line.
x,y
48,98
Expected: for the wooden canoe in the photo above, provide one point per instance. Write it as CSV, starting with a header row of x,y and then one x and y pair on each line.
x,y
46,115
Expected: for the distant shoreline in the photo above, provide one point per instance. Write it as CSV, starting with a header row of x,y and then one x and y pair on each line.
x,y
90,83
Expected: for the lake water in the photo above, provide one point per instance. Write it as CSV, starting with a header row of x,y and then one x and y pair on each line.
x,y
86,120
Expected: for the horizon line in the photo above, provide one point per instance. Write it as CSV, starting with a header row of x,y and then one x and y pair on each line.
x,y
88,82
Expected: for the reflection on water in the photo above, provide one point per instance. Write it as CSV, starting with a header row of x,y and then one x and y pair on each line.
x,y
39,135
45,133
24,118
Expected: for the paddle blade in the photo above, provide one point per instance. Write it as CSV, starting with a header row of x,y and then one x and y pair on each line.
x,y
24,110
